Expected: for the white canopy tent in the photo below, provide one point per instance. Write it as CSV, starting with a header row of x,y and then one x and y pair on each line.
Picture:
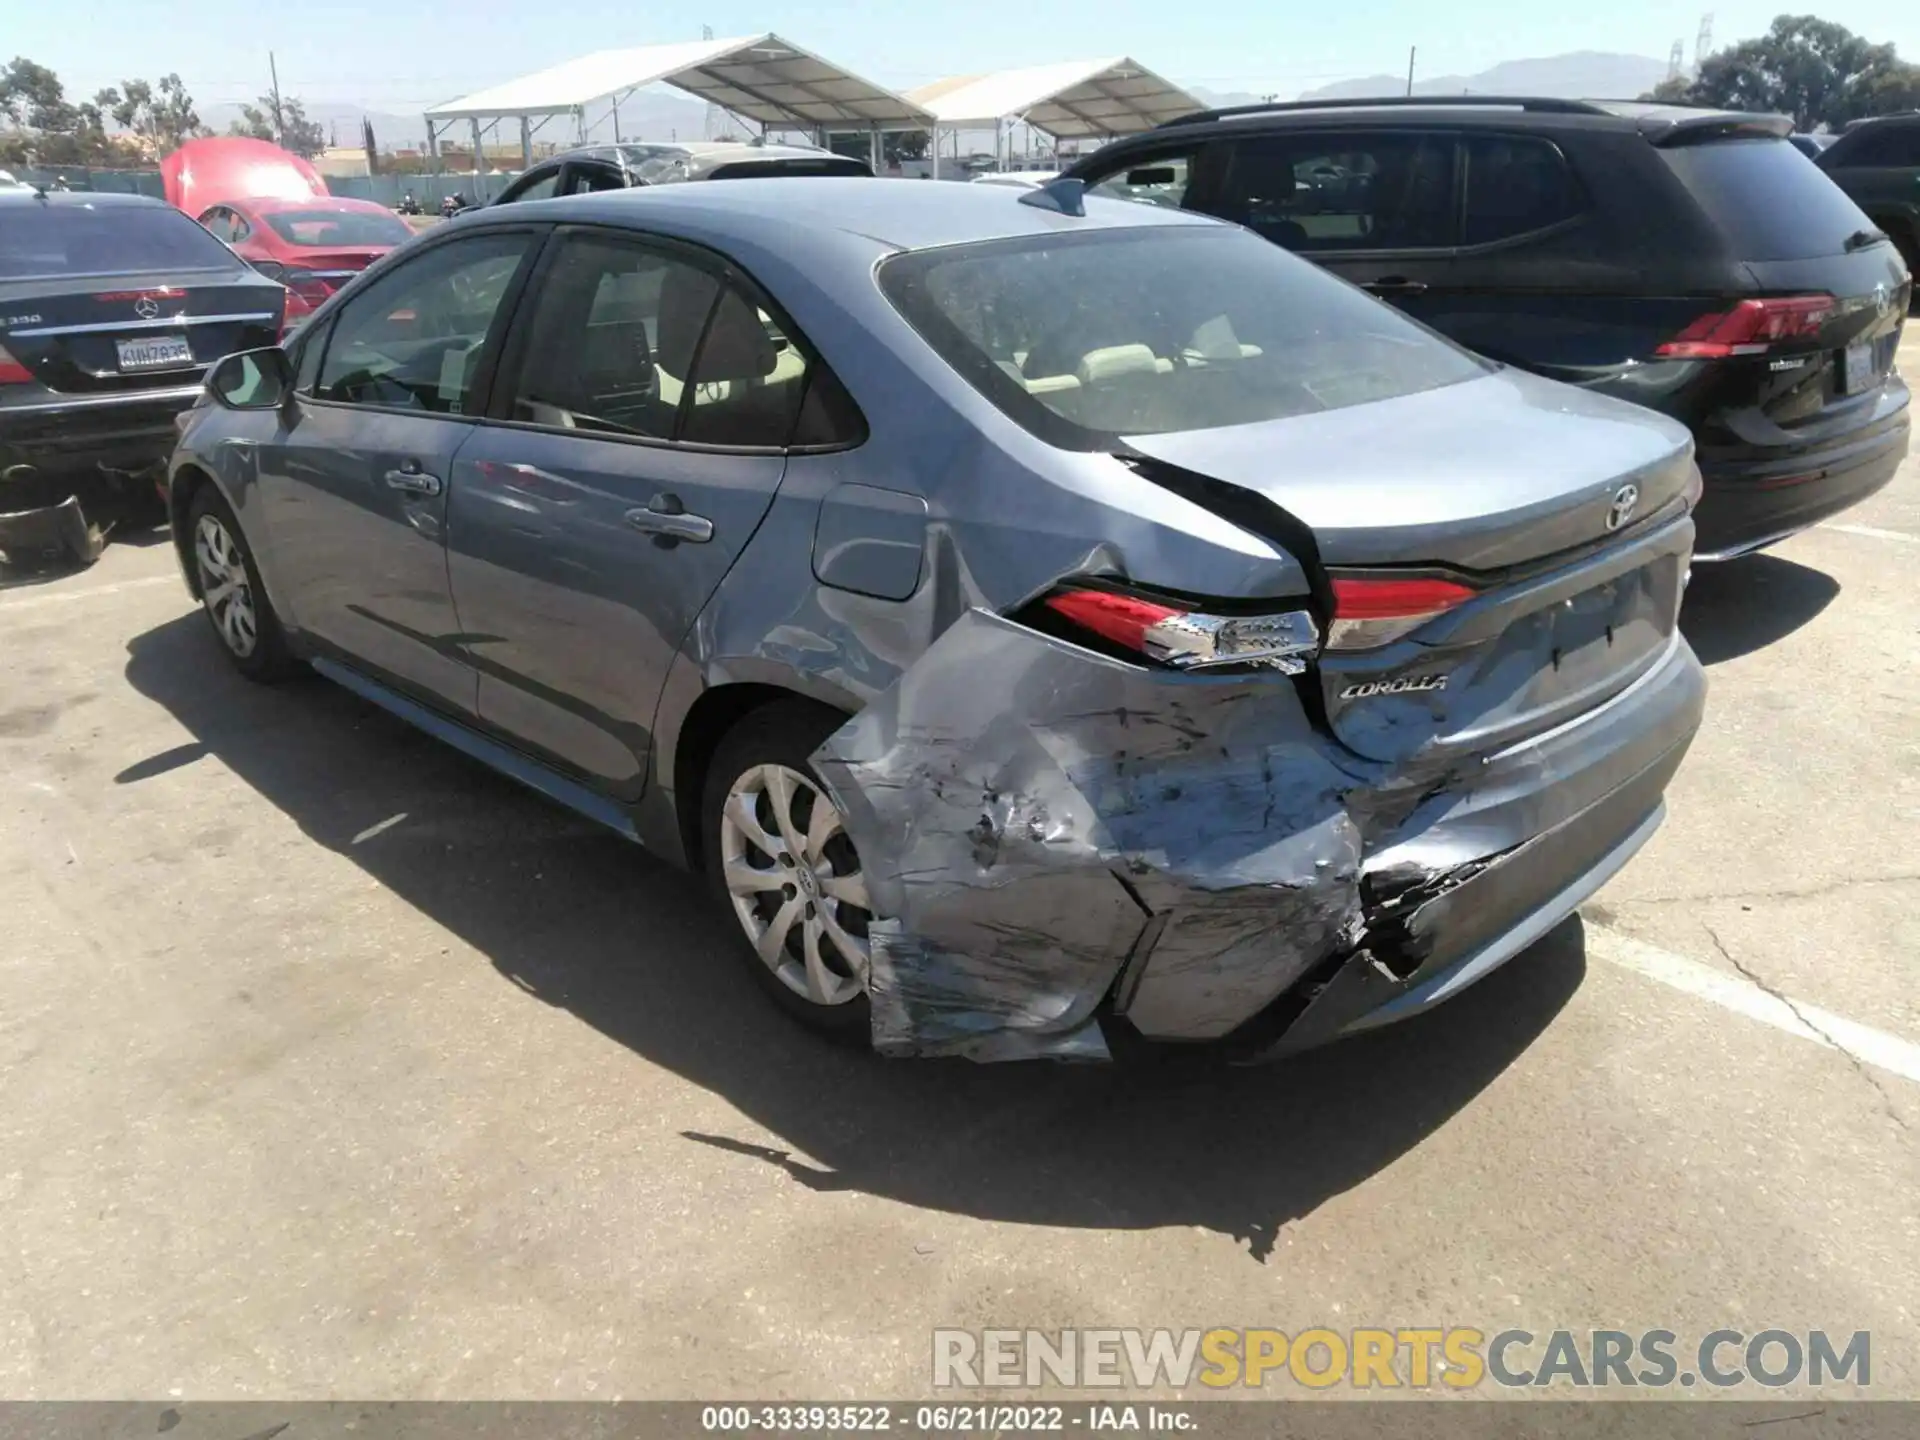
x,y
1070,100
761,78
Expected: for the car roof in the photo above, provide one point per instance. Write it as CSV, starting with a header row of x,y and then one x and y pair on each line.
x,y
1652,118
28,195
900,214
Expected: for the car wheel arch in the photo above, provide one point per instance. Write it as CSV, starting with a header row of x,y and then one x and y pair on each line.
x,y
183,486
715,713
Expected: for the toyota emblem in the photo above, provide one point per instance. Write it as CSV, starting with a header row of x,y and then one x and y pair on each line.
x,y
1621,510
146,307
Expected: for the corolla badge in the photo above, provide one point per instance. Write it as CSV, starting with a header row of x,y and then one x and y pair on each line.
x,y
1625,500
1404,685
146,307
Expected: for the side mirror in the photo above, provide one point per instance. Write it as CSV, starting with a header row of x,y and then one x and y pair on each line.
x,y
251,380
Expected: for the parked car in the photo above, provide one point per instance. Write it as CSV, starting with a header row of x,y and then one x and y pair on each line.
x,y
1020,179
111,308
1048,627
1810,145
1692,261
618,167
312,246
1877,162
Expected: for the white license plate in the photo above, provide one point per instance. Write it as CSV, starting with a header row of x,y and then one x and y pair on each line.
x,y
163,352
1857,369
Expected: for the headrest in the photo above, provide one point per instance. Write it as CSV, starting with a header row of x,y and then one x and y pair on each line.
x,y
737,346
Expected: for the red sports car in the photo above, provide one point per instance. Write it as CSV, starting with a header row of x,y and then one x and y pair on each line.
x,y
312,246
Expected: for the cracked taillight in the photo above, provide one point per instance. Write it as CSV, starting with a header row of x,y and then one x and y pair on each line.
x,y
1189,639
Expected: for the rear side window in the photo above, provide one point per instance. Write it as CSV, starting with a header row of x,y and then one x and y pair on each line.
x,y
1341,191
1086,337
1766,198
1516,185
1895,147
37,239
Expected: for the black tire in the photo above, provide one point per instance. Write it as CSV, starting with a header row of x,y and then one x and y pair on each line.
x,y
267,658
783,734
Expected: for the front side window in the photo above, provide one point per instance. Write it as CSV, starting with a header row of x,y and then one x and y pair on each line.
x,y
1089,337
1161,181
415,338
1515,186
1341,191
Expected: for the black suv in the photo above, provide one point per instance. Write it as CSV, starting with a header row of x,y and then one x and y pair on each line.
x,y
616,167
111,309
1692,261
1877,162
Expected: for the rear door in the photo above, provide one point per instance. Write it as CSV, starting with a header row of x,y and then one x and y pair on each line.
x,y
637,438
354,481
1374,207
116,298
1542,278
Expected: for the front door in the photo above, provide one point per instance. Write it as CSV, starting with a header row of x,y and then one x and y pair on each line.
x,y
638,434
353,484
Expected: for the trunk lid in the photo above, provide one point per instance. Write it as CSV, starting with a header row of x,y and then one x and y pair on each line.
x,y
99,334
1566,523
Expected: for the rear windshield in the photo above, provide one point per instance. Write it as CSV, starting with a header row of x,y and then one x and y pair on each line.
x,y
1087,337
764,169
328,228
39,240
1769,200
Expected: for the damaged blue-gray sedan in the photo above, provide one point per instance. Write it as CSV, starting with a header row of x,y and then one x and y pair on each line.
x,y
1052,625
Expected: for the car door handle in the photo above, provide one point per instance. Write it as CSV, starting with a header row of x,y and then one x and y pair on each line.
x,y
413,481
1396,285
666,517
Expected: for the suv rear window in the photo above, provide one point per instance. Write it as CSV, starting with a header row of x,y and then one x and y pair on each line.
x,y
38,240
1086,337
1770,201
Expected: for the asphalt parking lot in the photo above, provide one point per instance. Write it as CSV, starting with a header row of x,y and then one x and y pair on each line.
x,y
334,1065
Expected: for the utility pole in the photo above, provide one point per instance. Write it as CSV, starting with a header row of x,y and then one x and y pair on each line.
x,y
279,121
1411,51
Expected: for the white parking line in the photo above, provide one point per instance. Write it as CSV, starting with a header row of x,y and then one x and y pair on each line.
x,y
1862,1043
1874,532
40,600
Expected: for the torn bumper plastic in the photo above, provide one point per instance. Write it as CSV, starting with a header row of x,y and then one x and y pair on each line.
x,y
51,534
1054,837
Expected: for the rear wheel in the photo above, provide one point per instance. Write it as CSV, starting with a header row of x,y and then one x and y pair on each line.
x,y
231,594
779,857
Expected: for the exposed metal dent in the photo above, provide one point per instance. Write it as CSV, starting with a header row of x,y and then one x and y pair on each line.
x,y
1007,786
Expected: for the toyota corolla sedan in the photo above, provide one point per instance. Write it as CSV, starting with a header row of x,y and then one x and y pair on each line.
x,y
1052,626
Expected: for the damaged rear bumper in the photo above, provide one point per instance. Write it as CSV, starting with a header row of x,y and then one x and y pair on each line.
x,y
1065,844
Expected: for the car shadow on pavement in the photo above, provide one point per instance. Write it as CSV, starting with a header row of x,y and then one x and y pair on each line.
x,y
1738,606
580,919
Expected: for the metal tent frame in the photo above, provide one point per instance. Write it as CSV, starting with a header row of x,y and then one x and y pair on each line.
x,y
762,78
1069,100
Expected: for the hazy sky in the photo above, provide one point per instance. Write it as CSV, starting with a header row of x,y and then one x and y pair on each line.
x,y
401,55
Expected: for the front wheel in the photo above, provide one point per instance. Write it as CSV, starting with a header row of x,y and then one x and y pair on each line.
x,y
779,857
231,594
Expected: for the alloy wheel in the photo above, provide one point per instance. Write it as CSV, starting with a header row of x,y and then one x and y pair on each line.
x,y
224,586
796,883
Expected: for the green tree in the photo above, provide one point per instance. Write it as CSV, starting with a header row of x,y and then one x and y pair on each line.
x,y
1820,73
284,122
32,95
